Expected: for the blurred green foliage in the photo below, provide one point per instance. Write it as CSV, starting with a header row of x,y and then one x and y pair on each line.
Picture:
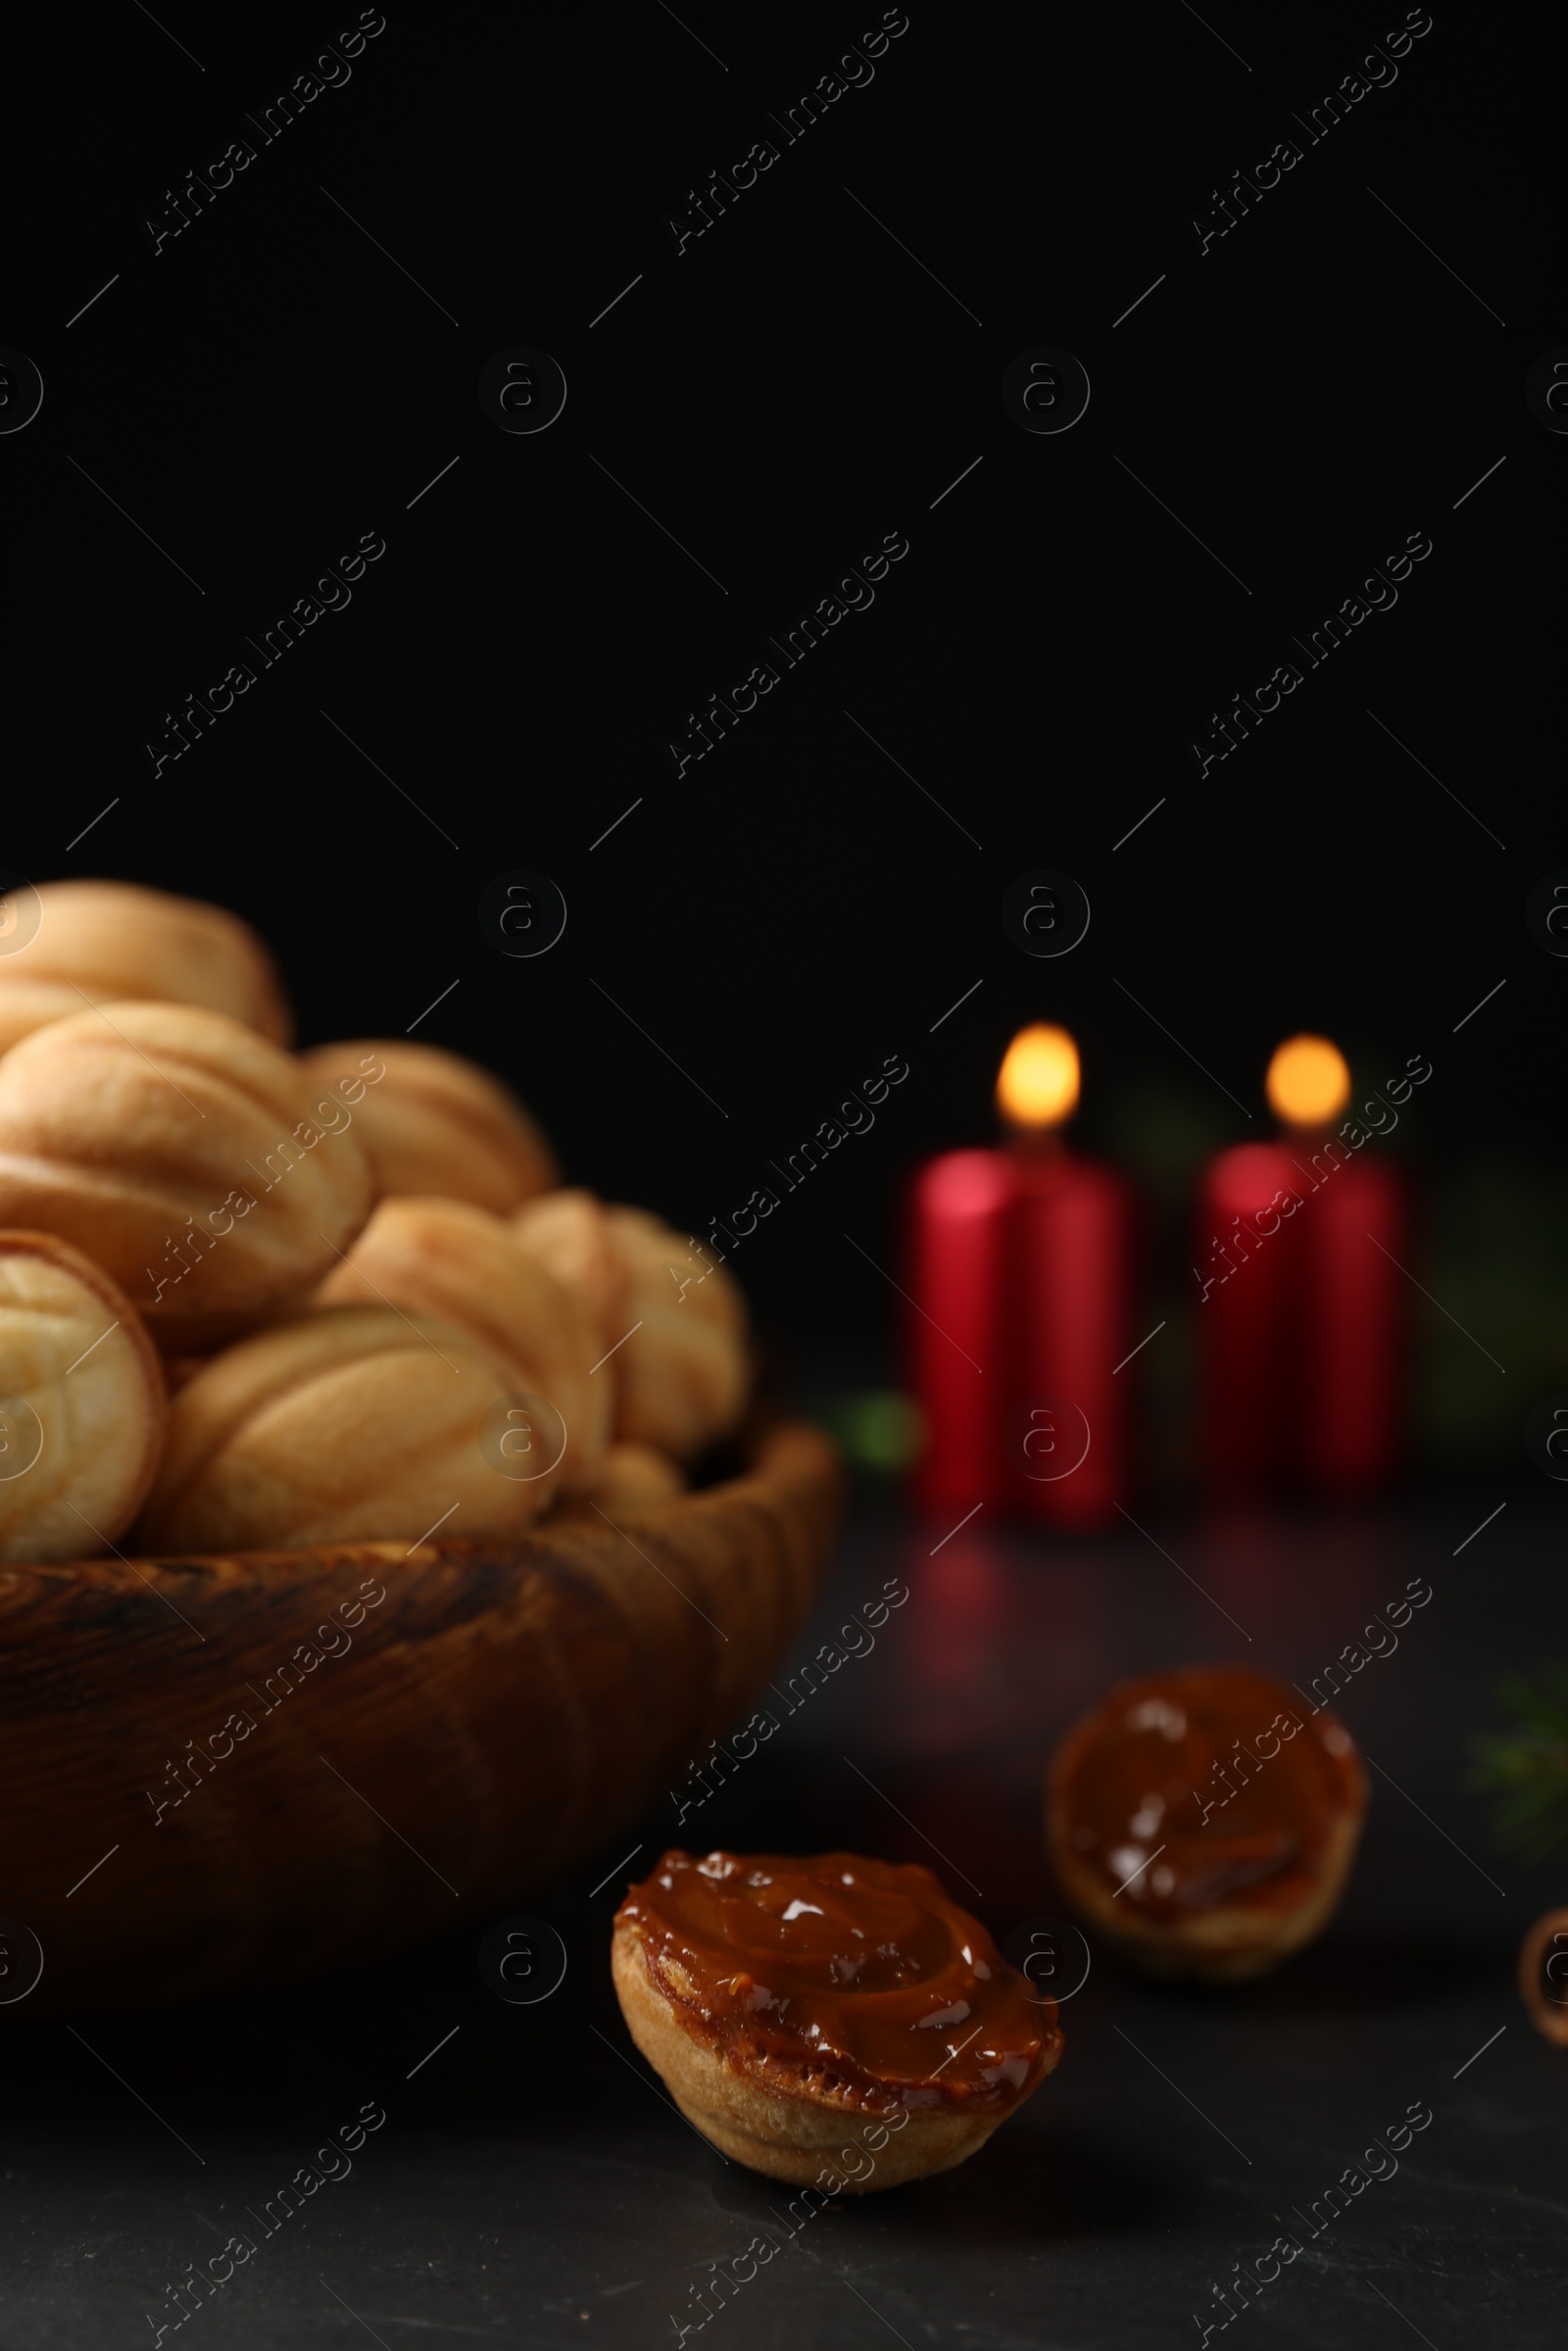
x,y
1525,1769
1163,1134
877,1428
1494,1252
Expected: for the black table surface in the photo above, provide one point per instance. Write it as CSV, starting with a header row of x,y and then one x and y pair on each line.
x,y
531,2183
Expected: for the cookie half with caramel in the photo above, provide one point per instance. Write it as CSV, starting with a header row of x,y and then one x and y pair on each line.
x,y
1204,1821
827,2020
1544,1976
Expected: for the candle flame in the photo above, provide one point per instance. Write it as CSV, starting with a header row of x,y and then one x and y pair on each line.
x,y
1308,1082
1038,1083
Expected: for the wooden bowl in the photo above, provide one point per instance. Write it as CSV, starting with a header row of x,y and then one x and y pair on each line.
x,y
411,1763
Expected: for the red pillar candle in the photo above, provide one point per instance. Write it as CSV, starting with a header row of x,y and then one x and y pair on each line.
x,y
1072,1222
1018,1283
1302,1313
956,1258
1249,1279
1353,1326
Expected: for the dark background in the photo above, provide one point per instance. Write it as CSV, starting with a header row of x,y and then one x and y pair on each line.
x,y
792,910
1303,396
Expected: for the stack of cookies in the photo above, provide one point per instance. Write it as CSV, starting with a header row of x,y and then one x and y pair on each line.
x,y
254,1300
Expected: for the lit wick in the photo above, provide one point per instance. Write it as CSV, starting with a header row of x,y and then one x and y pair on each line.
x,y
1309,1084
1037,1089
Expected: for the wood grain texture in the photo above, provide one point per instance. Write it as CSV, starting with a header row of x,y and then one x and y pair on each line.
x,y
503,1709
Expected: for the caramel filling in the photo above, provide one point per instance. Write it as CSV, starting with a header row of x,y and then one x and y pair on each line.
x,y
858,1977
1208,1785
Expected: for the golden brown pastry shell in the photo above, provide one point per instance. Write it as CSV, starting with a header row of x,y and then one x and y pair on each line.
x,y
789,2132
99,941
1229,1942
27,1004
438,1126
135,1423
138,1130
672,1324
338,1426
462,1264
1549,2016
636,1477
